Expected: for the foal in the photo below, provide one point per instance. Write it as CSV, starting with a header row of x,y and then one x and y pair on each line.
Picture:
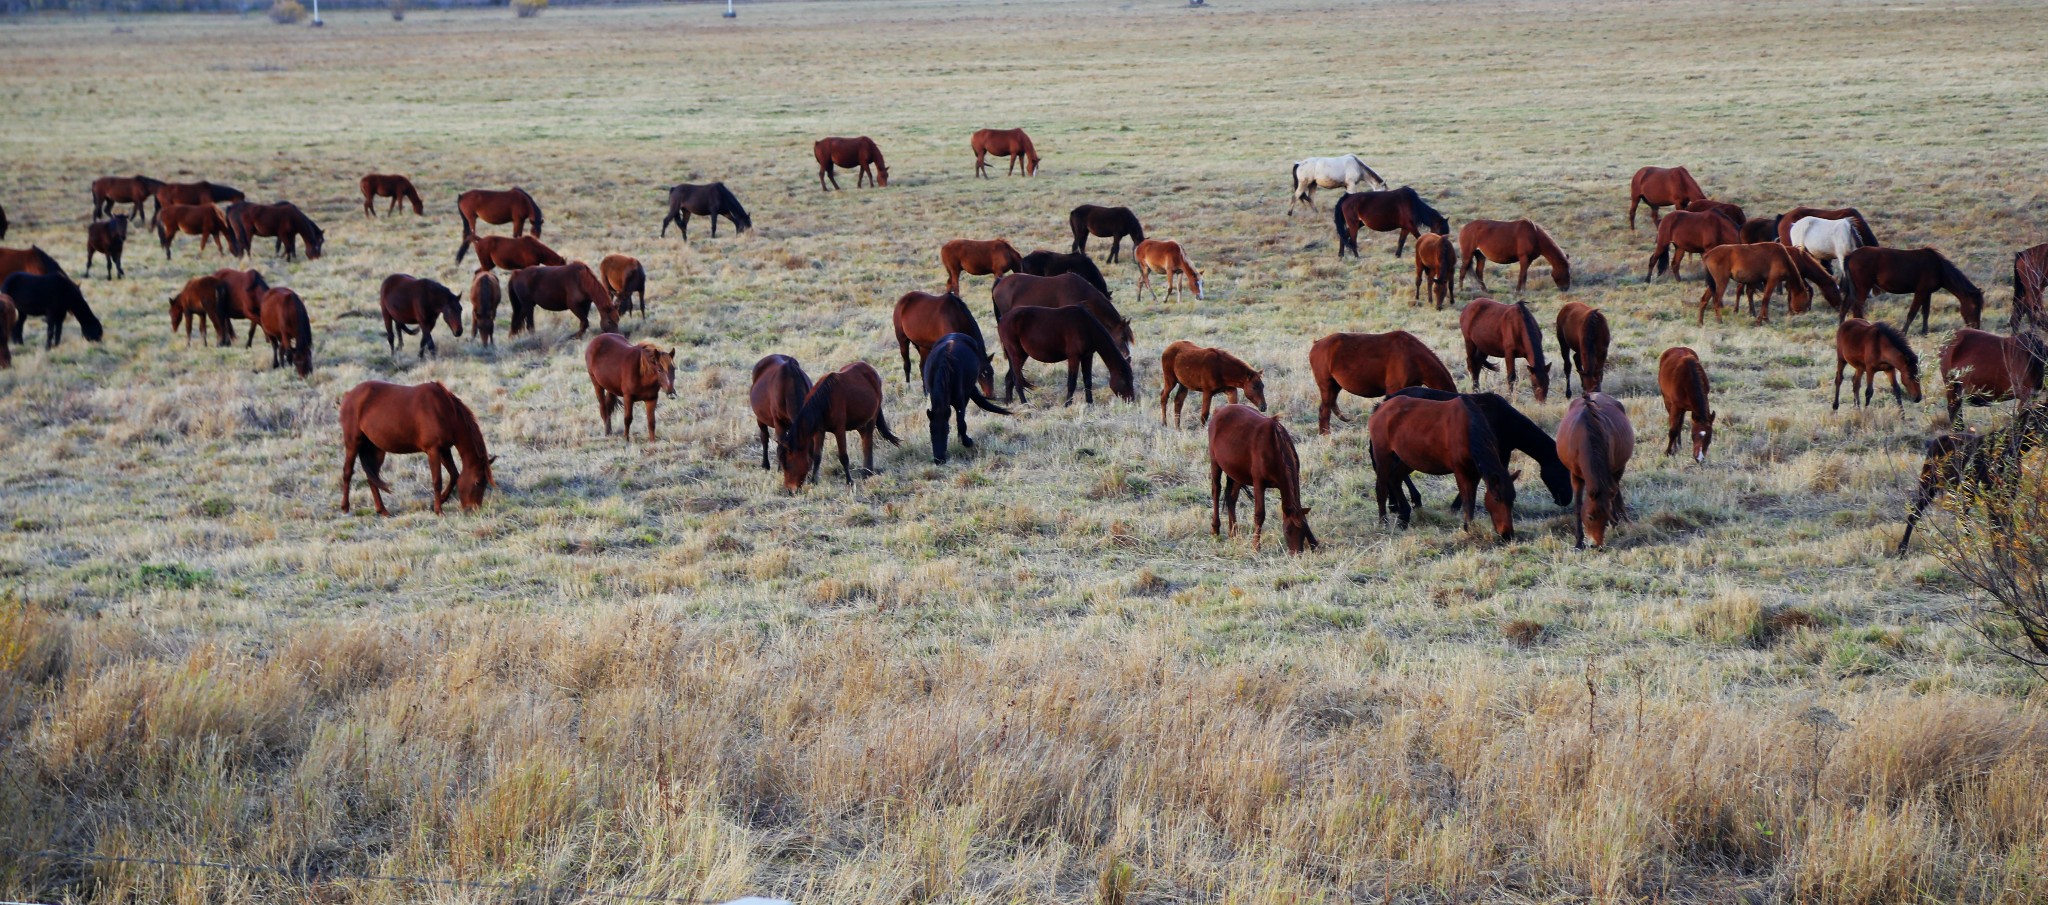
x,y
1872,348
1682,381
624,372
1187,366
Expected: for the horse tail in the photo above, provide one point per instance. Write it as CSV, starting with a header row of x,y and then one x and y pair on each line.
x,y
1294,173
1337,215
1661,261
1533,333
462,248
406,329
974,395
882,425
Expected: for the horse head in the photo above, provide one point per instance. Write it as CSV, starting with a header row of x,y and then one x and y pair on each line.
x,y
1702,436
1294,525
1255,390
661,366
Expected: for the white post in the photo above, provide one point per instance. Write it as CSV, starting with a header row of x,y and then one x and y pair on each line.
x,y
730,13
316,14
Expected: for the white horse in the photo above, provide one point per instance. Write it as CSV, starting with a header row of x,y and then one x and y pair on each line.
x,y
1329,173
1826,240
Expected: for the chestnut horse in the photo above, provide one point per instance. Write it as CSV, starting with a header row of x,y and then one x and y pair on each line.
x,y
1510,242
1043,263
956,364
922,319
508,252
1863,231
1112,223
1732,211
1452,437
1981,368
169,193
2029,278
1436,259
980,258
204,298
1514,433
1766,265
627,280
108,191
1398,210
1186,366
107,238
484,294
849,399
202,220
289,330
1072,335
52,297
379,419
1595,441
1371,364
779,388
512,206
244,301
1249,451
1164,256
1506,332
622,372
1063,291
32,259
392,186
1689,232
850,153
1984,462
1872,348
1919,271
1682,380
1582,338
1010,143
410,305
282,221
571,287
1661,187
712,200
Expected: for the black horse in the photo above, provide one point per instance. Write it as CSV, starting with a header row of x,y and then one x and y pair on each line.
x,y
713,200
952,374
1515,433
1112,223
51,297
1043,263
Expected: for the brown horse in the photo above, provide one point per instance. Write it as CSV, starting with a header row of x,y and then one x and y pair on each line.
x,y
2029,279
627,280
32,259
202,220
1595,441
244,301
980,258
1506,332
1661,187
107,238
1369,365
621,371
1453,437
1064,291
410,305
571,287
1010,143
108,191
1436,259
392,186
282,221
1683,382
1071,335
1872,348
1689,232
1510,242
1395,210
922,319
780,387
1582,338
512,206
1765,265
1981,368
379,419
1863,231
850,153
204,298
1249,451
1186,366
1759,229
1731,210
849,399
508,253
1983,462
1164,256
290,331
169,193
1919,271
711,200
1112,223
1043,263
484,294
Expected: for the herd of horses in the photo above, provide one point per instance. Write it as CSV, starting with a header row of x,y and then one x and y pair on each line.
x,y
1055,308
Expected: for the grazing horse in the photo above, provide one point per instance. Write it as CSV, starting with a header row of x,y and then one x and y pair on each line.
x,y
922,319
1793,216
711,200
1186,366
1249,451
1436,259
1760,229
189,193
289,330
1371,364
1872,348
508,252
1765,265
955,374
1688,232
850,153
107,238
849,399
1453,437
1010,143
1398,210
32,259
1071,335
8,317
1582,338
571,287
108,191
1506,332
779,388
202,220
1112,223
1919,271
1661,187
1063,291
282,221
410,305
1164,256
1510,242
392,186
51,297
1682,380
1826,240
2029,278
1981,368
1595,441
484,294
204,298
993,257
244,301
622,372
512,206
1311,173
1975,461
379,419
1731,210
1043,263
1514,432
623,275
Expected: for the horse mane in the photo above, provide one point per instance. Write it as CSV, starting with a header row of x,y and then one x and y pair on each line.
x,y
88,323
1422,213
1485,449
731,203
1892,335
810,419
1283,443
1532,333
305,223
1105,344
1598,471
953,302
1547,246
49,264
530,202
1953,279
467,427
1696,383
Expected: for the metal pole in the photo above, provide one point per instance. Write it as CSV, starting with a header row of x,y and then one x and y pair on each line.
x,y
316,14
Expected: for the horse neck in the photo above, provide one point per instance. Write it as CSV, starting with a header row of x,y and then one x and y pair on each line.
x,y
1531,347
1290,467
1483,446
816,410
1594,467
1696,385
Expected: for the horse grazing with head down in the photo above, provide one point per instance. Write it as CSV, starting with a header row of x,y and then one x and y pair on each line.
x,y
1453,437
1071,335
2029,279
1399,210
1113,223
392,186
922,319
202,220
1682,381
1864,234
410,305
1249,451
1514,433
282,221
622,372
289,330
1010,143
1506,332
191,193
1919,271
993,257
954,377
1766,265
1661,187
1164,256
849,399
1986,462
1826,240
1982,368
484,295
1731,210
1043,263
1595,441
1582,338
850,154
779,389
51,297
626,279
1063,291
711,200
379,419
1688,232
508,252
1311,173
108,191
107,238
1369,365
1510,242
204,298
571,287
1185,366
1436,259
1870,349
244,301
512,206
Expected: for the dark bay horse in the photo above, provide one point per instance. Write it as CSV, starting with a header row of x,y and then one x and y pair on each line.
x,y
922,319
9,316
282,221
1682,381
392,186
52,297
1043,263
779,389
624,372
1453,437
1661,187
1863,231
711,200
410,305
1732,211
1010,143
508,252
1688,232
1870,349
107,238
1369,365
1395,210
1063,291
850,153
993,257
1113,223
379,419
1982,368
1760,268
571,287
1759,229
1510,242
1506,332
1185,366
203,299
289,330
2029,279
108,191
627,280
1514,432
1249,451
849,399
244,301
1436,259
484,295
1970,461
512,206
955,377
1595,440
1071,335
1919,271
194,193
1582,338
202,220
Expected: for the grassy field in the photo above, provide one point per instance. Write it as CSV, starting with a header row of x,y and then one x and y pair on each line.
x,y
1031,674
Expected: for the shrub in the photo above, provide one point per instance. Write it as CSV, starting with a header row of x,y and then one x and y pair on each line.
x,y
287,12
528,9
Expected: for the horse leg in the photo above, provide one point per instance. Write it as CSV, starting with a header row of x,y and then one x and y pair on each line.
x,y
1522,281
1566,351
1258,513
440,480
1230,490
1401,243
845,466
1920,501
650,419
1578,513
960,414
1898,395
1468,491
604,411
348,472
764,446
1924,303
1675,418
1215,497
1073,374
1478,264
1207,397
